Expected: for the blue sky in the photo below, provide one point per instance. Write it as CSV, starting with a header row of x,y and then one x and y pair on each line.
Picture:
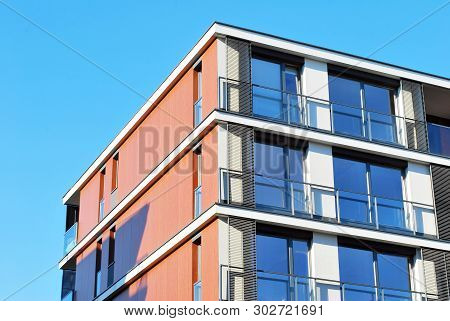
x,y
58,112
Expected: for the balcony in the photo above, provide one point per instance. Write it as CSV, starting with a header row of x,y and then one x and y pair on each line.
x,y
316,202
68,285
70,238
289,287
439,139
69,296
324,115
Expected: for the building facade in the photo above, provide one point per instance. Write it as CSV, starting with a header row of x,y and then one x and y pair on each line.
x,y
268,169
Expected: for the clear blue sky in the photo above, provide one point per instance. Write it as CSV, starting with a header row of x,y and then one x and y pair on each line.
x,y
58,112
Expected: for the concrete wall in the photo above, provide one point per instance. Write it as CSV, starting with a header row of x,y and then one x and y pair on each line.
x,y
315,85
420,192
319,172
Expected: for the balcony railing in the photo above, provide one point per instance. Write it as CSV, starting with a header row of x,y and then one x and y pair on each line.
x,y
276,286
70,238
198,201
198,291
197,112
306,111
312,201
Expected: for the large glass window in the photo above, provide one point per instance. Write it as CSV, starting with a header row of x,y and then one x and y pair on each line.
x,y
279,178
439,138
369,193
368,275
276,89
361,109
282,265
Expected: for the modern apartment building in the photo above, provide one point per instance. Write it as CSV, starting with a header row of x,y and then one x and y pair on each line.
x,y
268,169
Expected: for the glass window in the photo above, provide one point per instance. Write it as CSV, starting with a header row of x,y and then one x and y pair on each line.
x,y
282,265
279,178
439,138
272,264
345,96
373,194
357,274
386,189
267,92
357,270
373,119
393,273
272,254
352,198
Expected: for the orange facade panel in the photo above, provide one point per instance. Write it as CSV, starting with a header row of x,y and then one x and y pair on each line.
x,y
158,134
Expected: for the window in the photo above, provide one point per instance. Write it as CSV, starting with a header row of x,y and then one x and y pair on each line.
x,y
197,182
279,177
282,265
98,269
102,194
373,195
362,109
198,94
368,275
276,90
111,255
115,172
197,269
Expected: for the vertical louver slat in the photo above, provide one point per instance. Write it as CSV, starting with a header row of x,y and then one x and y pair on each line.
x,y
239,89
416,130
240,163
436,265
441,186
242,259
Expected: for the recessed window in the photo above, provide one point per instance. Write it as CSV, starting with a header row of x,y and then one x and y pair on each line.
x,y
98,269
276,91
282,265
373,195
102,194
197,269
368,275
111,255
198,94
362,109
115,172
197,170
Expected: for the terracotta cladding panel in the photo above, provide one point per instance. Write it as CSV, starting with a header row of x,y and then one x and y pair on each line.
x,y
89,202
169,280
158,215
210,169
210,79
160,132
210,262
85,276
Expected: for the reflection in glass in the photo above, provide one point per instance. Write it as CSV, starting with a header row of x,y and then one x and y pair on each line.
x,y
439,139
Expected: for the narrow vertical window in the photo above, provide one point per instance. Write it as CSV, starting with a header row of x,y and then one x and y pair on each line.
x,y
102,194
98,269
115,172
111,255
197,173
198,94
197,269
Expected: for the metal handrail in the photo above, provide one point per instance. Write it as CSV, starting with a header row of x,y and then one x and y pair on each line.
x,y
317,99
407,207
342,285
